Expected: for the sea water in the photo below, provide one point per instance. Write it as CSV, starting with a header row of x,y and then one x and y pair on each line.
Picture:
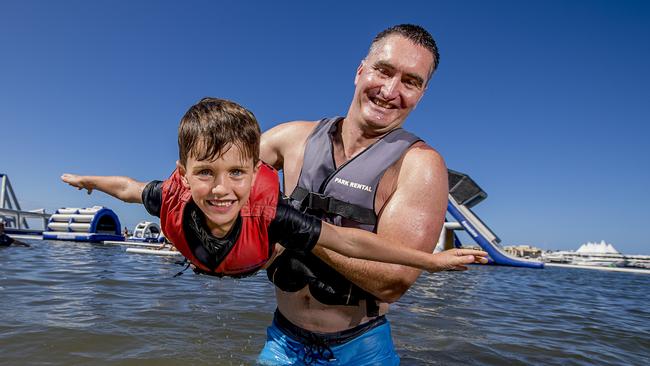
x,y
64,303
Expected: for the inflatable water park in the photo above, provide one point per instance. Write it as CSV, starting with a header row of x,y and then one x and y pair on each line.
x,y
95,224
102,225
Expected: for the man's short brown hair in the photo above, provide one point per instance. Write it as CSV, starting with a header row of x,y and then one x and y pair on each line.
x,y
416,34
211,126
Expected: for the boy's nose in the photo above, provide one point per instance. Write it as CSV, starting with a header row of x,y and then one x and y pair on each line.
x,y
220,187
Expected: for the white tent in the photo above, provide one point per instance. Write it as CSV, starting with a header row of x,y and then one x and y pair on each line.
x,y
597,248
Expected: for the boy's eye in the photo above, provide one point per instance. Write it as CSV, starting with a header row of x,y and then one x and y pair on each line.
x,y
236,172
205,172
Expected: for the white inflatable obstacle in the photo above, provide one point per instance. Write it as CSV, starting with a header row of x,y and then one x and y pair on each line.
x,y
147,231
93,224
163,252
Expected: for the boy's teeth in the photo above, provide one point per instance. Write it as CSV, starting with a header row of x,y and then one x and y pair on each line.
x,y
220,203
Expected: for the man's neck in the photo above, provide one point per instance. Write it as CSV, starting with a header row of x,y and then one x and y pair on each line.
x,y
353,137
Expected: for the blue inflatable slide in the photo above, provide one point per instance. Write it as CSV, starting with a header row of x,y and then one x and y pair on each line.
x,y
464,194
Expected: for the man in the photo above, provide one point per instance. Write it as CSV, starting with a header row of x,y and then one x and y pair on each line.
x,y
361,171
6,240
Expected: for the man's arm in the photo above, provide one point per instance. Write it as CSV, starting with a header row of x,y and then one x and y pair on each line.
x,y
122,188
412,217
284,143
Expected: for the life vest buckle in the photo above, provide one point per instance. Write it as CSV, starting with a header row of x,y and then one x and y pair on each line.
x,y
318,201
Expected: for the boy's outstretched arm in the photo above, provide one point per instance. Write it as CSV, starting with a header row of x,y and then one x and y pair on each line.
x,y
123,188
362,244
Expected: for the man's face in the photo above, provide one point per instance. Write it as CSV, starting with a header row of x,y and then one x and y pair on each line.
x,y
220,187
390,82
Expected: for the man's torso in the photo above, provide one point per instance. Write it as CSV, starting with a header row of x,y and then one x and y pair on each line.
x,y
301,308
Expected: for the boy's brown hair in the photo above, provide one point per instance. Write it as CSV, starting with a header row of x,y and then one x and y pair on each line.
x,y
211,126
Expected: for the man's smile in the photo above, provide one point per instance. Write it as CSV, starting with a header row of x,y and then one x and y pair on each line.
x,y
383,104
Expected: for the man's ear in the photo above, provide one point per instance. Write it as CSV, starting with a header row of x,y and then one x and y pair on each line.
x,y
420,97
359,69
183,173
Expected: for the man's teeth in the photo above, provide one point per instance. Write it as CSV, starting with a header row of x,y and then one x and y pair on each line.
x,y
381,103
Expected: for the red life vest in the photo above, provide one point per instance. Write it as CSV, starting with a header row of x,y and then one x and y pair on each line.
x,y
252,249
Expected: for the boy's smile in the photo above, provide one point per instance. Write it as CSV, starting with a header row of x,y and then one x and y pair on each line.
x,y
220,187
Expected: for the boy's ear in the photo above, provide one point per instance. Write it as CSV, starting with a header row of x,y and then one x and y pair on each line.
x,y
256,169
182,172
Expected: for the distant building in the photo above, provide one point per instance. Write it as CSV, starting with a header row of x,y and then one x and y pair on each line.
x,y
523,251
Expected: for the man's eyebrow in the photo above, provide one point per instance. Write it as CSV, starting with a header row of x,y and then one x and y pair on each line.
x,y
384,64
411,75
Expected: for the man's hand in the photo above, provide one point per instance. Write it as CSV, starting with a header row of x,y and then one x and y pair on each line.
x,y
78,181
458,259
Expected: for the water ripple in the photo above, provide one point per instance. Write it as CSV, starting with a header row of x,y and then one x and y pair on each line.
x,y
83,304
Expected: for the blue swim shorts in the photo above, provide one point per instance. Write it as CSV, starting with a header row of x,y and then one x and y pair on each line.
x,y
367,344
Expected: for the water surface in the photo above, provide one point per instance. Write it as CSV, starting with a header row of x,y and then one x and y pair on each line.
x,y
65,303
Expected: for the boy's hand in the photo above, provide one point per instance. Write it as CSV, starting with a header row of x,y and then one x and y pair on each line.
x,y
457,259
77,181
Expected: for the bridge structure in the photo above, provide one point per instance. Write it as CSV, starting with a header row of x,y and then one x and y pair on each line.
x,y
14,217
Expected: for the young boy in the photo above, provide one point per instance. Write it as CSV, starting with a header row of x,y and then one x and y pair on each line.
x,y
222,210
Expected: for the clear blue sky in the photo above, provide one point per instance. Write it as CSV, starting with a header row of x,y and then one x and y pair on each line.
x,y
546,104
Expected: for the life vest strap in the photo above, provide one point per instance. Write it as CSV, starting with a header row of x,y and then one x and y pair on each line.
x,y
328,204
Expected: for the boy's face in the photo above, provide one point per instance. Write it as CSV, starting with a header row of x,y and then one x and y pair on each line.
x,y
220,187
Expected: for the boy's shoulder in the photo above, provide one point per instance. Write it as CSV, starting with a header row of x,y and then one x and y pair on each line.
x,y
263,199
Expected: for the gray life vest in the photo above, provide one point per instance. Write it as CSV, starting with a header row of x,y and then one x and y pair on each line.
x,y
344,197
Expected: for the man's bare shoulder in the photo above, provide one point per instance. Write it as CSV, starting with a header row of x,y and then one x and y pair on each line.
x,y
424,163
415,211
284,141
293,129
422,183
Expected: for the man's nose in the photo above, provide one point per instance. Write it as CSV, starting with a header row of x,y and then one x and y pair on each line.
x,y
390,89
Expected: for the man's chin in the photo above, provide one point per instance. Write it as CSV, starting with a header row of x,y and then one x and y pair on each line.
x,y
381,122
380,117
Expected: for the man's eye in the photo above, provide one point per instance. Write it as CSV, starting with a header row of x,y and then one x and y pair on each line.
x,y
412,83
